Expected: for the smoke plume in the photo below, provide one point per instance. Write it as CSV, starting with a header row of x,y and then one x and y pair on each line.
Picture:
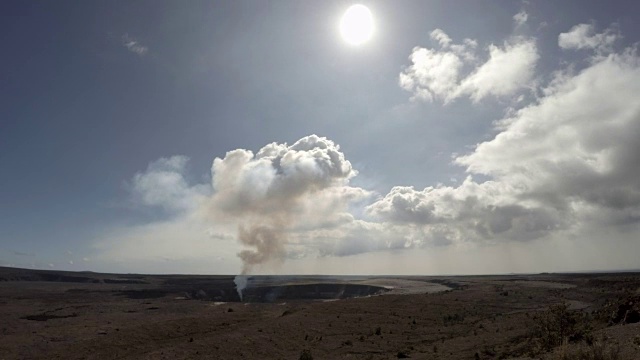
x,y
280,188
241,283
266,243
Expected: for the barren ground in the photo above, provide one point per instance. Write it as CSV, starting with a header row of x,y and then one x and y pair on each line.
x,y
62,315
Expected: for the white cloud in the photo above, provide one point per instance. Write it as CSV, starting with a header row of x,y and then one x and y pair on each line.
x,y
507,70
564,165
432,75
278,175
282,189
352,238
484,212
134,45
520,18
268,201
438,74
441,37
163,184
186,234
583,36
562,171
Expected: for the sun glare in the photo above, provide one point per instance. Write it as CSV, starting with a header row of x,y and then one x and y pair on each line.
x,y
356,26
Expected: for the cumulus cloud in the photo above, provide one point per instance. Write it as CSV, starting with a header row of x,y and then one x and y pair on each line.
x,y
432,75
357,237
441,37
583,36
278,175
269,201
280,189
443,74
579,143
134,45
507,70
471,212
565,163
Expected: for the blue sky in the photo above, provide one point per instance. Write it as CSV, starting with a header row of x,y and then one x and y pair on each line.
x,y
112,113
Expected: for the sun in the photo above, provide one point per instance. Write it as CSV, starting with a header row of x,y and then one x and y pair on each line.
x,y
356,26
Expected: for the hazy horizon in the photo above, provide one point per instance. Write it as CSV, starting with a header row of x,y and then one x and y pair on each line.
x,y
596,271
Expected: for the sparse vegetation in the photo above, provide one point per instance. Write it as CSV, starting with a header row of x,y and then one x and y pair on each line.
x,y
558,325
452,319
488,351
481,322
596,351
305,355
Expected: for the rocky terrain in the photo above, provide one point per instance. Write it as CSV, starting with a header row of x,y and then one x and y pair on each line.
x,y
67,315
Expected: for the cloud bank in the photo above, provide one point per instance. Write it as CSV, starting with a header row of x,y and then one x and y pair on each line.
x,y
566,163
562,170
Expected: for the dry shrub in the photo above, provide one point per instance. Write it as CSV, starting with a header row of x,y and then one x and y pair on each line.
x,y
597,351
557,326
306,355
